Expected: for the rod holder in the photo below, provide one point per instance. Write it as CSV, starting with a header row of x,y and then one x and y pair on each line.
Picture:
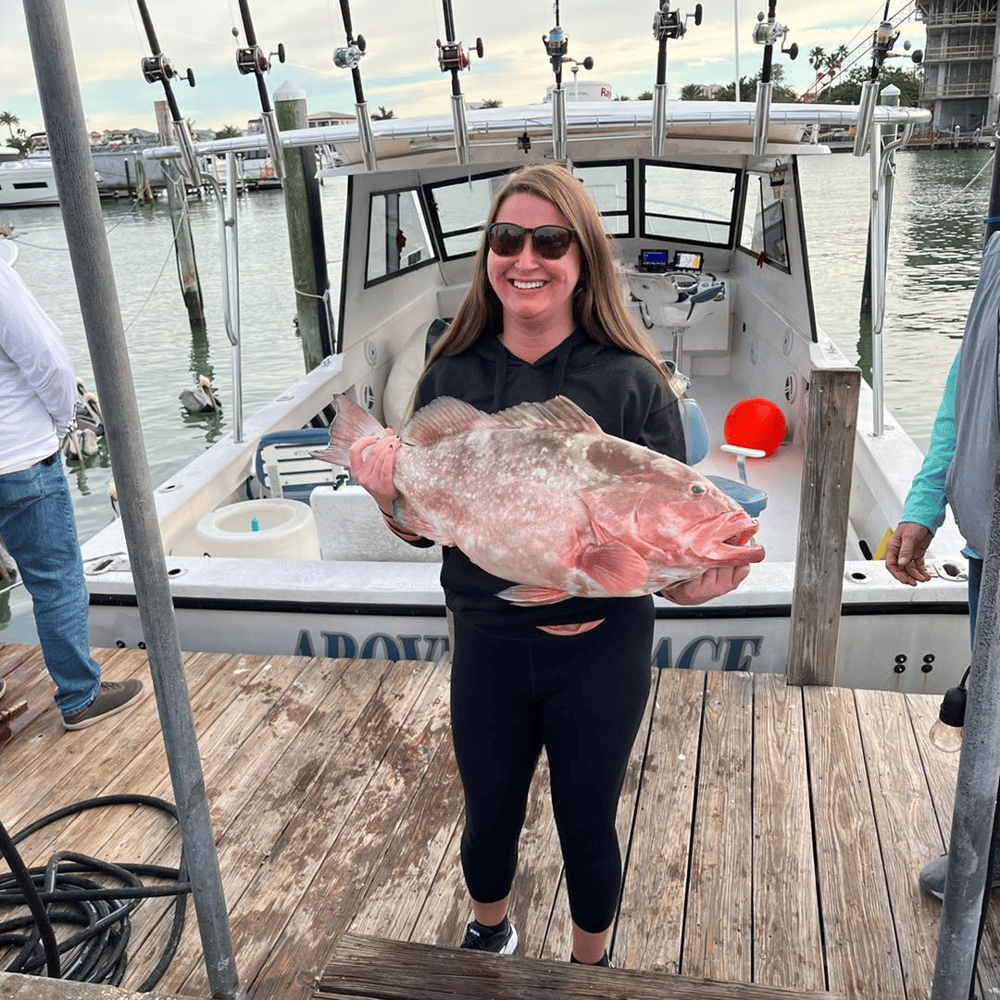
x,y
866,116
461,128
273,133
559,124
659,119
762,118
365,136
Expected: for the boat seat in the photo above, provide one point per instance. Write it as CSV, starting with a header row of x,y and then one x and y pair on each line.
x,y
407,367
752,500
284,465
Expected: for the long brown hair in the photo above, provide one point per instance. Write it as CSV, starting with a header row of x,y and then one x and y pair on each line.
x,y
598,307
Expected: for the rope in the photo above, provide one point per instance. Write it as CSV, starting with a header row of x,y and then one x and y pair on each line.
x,y
950,199
97,916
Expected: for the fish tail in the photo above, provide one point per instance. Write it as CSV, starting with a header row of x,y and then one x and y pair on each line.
x,y
349,425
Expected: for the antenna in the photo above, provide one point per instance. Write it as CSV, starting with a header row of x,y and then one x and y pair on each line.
x,y
556,44
251,59
349,57
667,23
452,58
767,33
157,68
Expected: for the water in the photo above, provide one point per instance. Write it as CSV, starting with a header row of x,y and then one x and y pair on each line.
x,y
932,270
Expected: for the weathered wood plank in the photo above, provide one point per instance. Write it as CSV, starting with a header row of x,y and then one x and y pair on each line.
x,y
394,970
787,936
907,828
264,843
861,955
717,931
651,917
823,525
310,888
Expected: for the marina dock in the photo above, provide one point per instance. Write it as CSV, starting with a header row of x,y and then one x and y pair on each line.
x,y
772,835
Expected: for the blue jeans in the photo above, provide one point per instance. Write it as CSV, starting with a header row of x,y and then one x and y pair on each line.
x,y
38,529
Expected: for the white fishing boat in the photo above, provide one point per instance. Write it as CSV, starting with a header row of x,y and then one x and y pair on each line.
x,y
269,550
25,183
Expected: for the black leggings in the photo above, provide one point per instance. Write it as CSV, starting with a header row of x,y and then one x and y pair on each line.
x,y
582,698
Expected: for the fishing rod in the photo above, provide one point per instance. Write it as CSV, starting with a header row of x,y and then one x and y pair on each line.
x,y
349,57
452,58
667,23
556,44
251,59
883,39
157,68
767,33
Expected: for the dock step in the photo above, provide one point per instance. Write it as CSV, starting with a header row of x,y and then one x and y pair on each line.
x,y
379,969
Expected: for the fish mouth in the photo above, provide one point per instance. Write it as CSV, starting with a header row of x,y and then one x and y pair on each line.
x,y
730,539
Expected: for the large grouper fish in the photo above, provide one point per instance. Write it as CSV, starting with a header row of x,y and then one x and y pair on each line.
x,y
538,494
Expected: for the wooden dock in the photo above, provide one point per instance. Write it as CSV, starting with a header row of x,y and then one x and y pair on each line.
x,y
772,835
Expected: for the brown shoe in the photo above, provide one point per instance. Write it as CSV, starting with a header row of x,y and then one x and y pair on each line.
x,y
111,699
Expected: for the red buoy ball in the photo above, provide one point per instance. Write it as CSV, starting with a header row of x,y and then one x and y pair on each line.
x,y
754,423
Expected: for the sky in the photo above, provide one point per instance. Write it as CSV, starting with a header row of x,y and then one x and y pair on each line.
x,y
400,69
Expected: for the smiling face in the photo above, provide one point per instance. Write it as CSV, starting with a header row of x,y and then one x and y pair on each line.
x,y
536,293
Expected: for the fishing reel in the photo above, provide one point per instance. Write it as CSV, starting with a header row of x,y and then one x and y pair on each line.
x,y
882,42
158,68
669,23
451,55
769,32
556,44
349,56
251,59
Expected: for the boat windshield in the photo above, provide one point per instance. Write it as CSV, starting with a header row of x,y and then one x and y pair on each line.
x,y
690,204
763,231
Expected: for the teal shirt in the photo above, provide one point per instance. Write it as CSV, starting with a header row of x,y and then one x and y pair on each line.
x,y
925,503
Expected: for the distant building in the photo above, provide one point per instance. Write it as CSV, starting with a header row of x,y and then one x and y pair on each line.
x,y
961,63
580,90
321,119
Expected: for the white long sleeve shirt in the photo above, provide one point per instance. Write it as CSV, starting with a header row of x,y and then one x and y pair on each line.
x,y
37,385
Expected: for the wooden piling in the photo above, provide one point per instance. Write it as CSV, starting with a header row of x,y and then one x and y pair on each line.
x,y
187,266
823,523
305,232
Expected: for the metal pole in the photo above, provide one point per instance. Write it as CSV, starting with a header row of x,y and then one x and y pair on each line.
x,y
62,108
975,792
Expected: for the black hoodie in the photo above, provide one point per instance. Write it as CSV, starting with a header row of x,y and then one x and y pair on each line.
x,y
623,392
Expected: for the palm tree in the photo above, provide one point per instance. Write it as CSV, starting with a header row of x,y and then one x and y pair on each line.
x,y
10,120
382,115
492,103
692,92
228,132
646,95
817,58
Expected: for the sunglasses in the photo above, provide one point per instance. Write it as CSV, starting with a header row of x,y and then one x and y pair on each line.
x,y
550,242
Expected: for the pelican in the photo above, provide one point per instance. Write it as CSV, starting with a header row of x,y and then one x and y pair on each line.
x,y
80,443
88,414
113,497
202,399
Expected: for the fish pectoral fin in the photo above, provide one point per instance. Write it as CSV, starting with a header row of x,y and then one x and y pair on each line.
x,y
616,567
528,596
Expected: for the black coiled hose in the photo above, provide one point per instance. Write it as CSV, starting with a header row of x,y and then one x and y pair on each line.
x,y
99,917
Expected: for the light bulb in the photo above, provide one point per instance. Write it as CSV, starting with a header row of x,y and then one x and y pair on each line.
x,y
946,733
945,737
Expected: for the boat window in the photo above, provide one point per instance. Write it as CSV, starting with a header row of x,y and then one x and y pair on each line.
x,y
690,204
459,208
610,185
764,223
397,234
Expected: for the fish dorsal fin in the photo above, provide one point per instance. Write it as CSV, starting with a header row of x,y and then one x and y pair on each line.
x,y
445,417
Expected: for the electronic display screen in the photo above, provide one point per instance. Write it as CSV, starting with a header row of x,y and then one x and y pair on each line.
x,y
653,258
686,260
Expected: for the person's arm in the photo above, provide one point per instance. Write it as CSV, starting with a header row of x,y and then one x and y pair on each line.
x,y
33,342
924,508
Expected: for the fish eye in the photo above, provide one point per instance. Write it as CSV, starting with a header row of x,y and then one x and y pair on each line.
x,y
697,489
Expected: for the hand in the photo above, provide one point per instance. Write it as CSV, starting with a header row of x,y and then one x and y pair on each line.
x,y
372,462
904,555
712,583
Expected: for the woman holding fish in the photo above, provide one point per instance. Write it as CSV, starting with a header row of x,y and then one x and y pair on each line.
x,y
560,516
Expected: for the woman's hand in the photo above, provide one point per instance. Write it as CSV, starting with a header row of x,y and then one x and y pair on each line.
x,y
904,555
712,583
372,462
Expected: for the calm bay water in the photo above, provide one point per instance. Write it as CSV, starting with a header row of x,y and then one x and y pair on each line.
x,y
933,265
